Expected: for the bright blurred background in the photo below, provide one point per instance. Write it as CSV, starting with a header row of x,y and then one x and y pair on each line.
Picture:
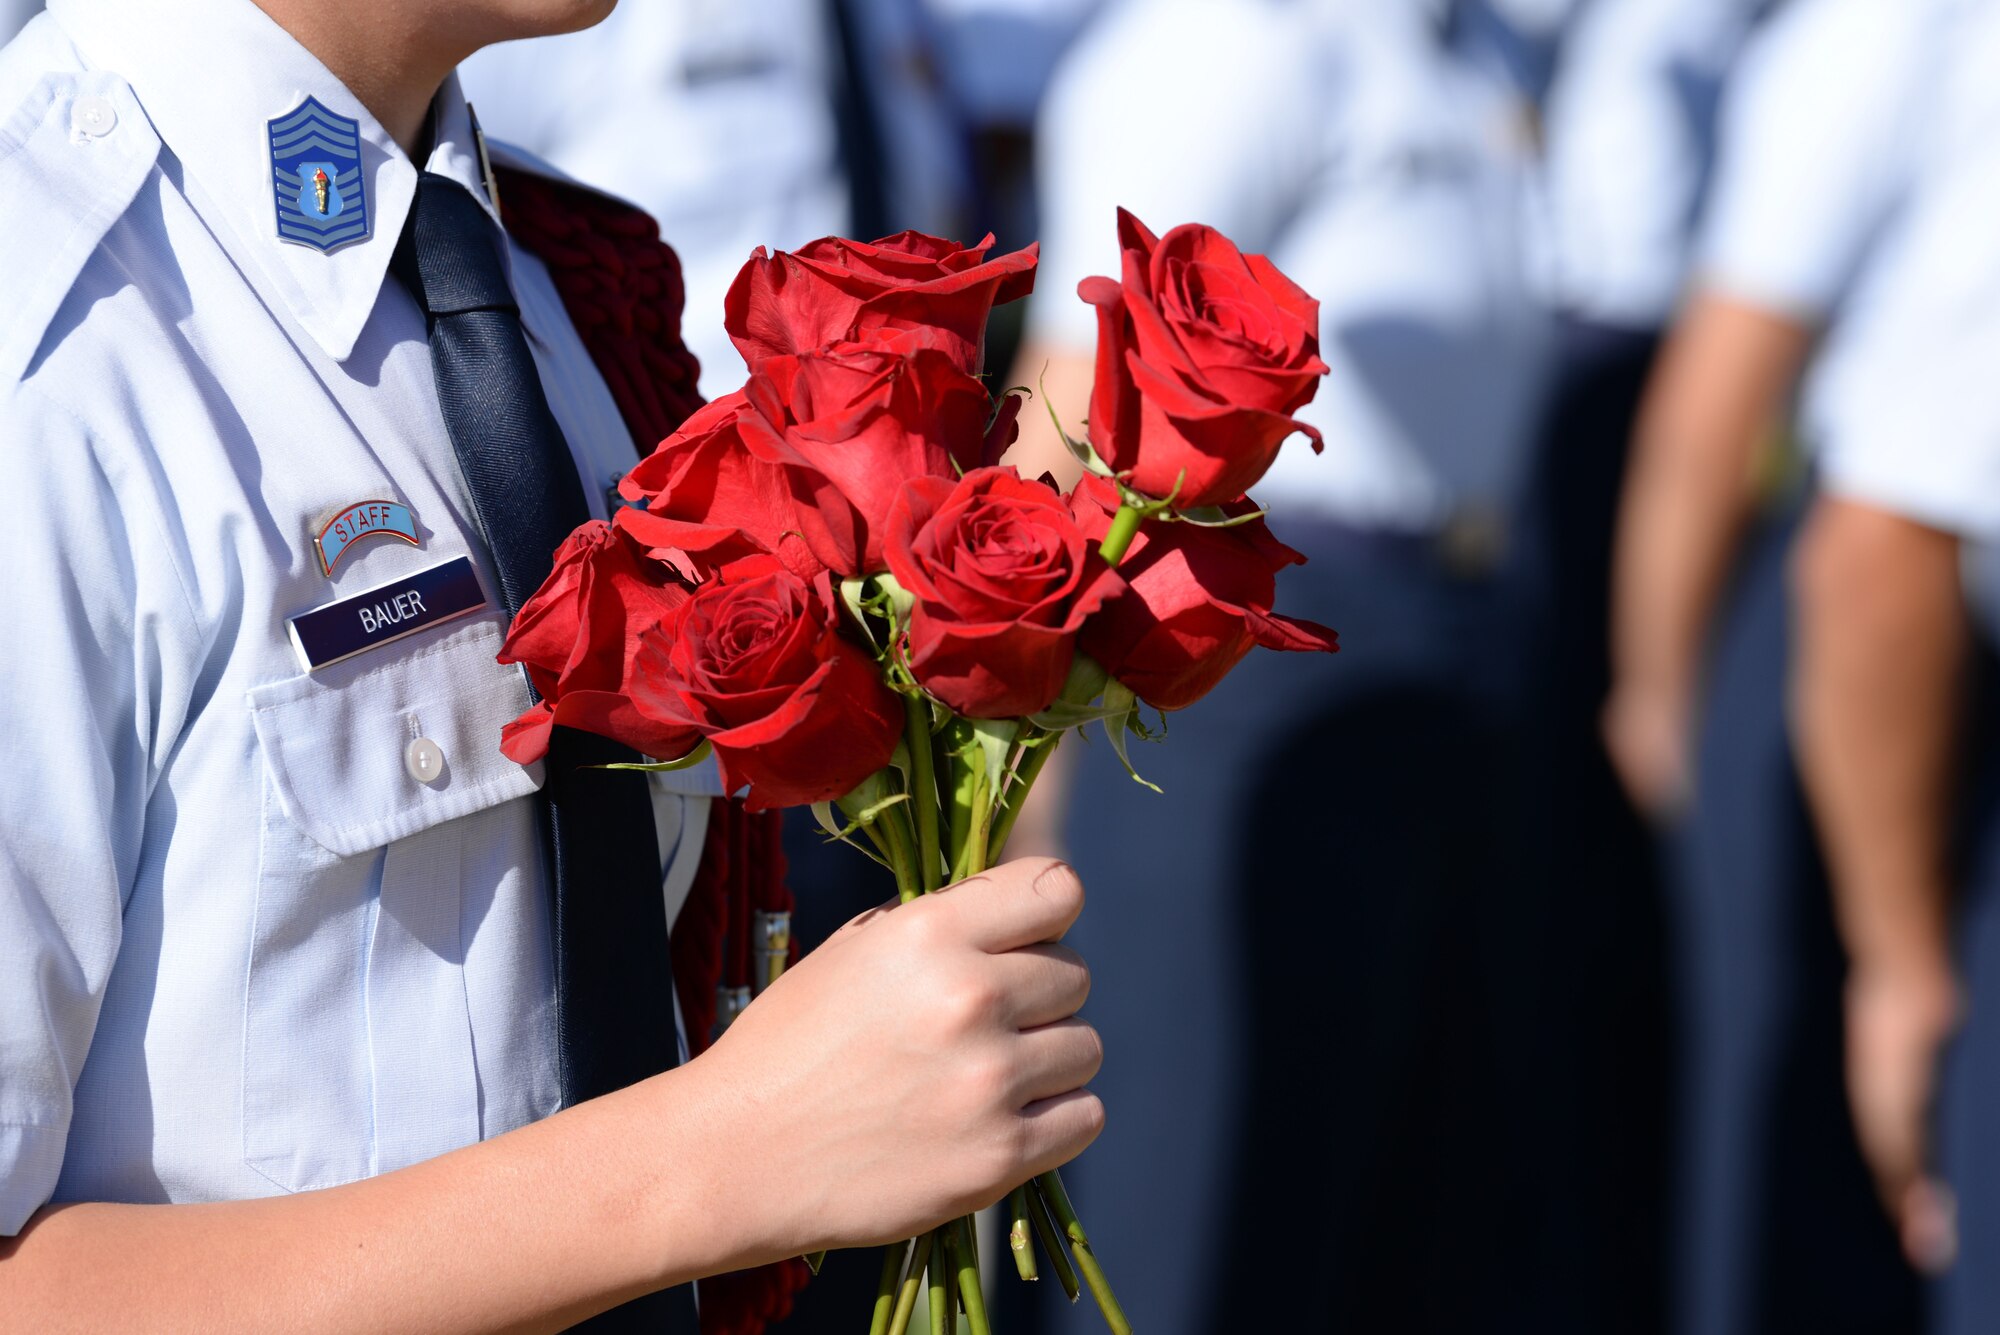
x,y
1605,940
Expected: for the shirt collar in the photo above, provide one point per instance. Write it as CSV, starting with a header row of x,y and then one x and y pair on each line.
x,y
210,75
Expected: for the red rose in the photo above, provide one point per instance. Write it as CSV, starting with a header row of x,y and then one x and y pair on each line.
x,y
833,290
710,499
851,423
1203,354
1003,579
1195,602
578,637
755,662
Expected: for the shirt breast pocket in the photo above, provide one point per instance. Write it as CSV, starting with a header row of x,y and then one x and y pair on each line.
x,y
381,782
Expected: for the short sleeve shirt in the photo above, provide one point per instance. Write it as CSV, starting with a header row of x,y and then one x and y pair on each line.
x,y
245,948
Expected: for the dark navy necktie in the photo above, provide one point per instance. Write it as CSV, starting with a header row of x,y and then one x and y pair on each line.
x,y
614,983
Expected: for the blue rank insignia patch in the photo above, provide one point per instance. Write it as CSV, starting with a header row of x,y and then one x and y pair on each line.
x,y
321,199
363,519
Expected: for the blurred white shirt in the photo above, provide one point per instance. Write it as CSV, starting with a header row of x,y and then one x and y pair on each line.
x,y
1629,142
1904,404
715,117
1339,138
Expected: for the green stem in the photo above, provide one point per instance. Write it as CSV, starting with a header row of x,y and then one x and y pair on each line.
x,y
969,1292
1020,1236
885,1287
923,769
906,1297
1124,526
939,1302
971,805
814,1260
895,832
1025,772
1059,1205
1038,1212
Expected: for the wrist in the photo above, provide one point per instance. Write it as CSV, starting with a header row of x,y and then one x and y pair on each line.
x,y
709,1199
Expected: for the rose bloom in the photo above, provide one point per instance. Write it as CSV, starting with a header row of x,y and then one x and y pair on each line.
x,y
1203,354
578,636
1003,580
834,290
706,499
1196,600
851,423
754,661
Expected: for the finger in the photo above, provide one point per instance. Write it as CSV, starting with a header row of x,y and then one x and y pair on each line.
x,y
1016,904
1056,1130
1040,984
1055,1059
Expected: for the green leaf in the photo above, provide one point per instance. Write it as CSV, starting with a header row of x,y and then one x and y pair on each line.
x,y
688,761
1213,516
1080,450
823,813
1117,692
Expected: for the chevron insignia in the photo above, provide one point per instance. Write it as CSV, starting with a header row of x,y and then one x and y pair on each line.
x,y
322,200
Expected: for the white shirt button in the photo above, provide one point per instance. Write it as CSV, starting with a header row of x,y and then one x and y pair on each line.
x,y
93,116
424,759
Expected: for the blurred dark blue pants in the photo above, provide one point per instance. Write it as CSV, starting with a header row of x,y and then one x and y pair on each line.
x,y
1968,1301
1777,1225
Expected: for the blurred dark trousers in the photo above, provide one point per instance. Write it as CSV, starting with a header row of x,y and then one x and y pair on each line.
x,y
1596,885
1968,1300
1317,973
1777,1224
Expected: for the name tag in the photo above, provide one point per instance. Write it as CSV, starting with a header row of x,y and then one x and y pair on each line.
x,y
388,612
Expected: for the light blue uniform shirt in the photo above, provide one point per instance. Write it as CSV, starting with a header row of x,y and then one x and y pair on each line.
x,y
244,950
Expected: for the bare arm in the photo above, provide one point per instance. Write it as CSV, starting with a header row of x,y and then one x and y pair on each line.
x,y
833,1113
1721,383
1882,643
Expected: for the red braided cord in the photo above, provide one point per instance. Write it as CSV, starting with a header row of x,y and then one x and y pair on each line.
x,y
621,286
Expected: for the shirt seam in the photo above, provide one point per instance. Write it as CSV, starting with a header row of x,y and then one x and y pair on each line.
x,y
203,636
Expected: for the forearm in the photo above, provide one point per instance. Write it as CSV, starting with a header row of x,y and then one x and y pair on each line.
x,y
1882,642
1712,405
1060,378
530,1231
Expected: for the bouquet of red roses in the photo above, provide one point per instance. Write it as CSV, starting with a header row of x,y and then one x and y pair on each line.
x,y
828,580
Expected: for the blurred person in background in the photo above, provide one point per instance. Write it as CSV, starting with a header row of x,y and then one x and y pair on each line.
x,y
1891,700
1826,127
771,124
1326,1078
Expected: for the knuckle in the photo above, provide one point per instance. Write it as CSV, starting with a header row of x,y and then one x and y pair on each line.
x,y
965,1003
1060,887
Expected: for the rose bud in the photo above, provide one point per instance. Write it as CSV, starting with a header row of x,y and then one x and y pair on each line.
x,y
853,422
710,499
1003,579
833,290
577,637
1203,354
755,662
1196,600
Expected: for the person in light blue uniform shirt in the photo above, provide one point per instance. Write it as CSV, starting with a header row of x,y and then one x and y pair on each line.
x,y
1299,1091
275,923
1822,141
1895,682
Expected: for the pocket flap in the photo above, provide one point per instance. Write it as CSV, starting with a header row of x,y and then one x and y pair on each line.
x,y
336,740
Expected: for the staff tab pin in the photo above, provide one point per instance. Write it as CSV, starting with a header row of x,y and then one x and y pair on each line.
x,y
320,197
363,519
